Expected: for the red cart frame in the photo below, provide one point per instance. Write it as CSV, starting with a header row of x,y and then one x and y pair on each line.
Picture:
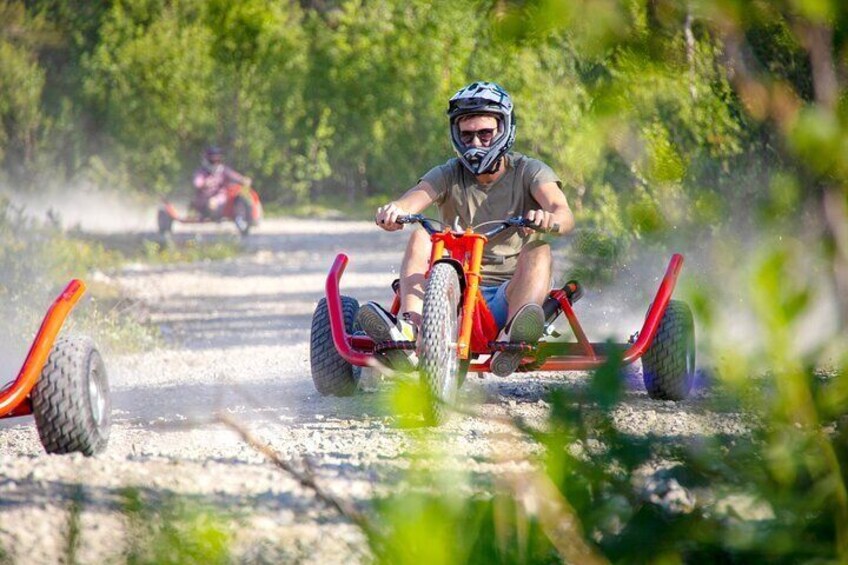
x,y
557,356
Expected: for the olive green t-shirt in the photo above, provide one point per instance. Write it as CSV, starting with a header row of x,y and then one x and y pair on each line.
x,y
459,195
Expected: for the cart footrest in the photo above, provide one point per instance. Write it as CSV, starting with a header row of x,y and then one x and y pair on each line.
x,y
392,345
510,346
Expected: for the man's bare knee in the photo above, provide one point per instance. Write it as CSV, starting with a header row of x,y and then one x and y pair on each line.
x,y
418,247
532,278
535,258
415,262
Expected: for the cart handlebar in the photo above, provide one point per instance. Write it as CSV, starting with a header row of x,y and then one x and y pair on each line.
x,y
433,226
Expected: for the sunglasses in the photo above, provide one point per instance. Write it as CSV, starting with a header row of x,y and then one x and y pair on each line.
x,y
484,135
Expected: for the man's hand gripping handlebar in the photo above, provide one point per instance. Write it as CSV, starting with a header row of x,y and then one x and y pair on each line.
x,y
435,226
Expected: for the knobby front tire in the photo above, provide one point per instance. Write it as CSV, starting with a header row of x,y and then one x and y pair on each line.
x,y
437,357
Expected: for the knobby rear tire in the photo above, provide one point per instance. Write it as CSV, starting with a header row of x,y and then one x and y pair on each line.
x,y
71,401
165,222
242,213
668,366
331,373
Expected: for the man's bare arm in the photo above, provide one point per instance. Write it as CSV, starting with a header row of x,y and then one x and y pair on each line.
x,y
413,201
555,209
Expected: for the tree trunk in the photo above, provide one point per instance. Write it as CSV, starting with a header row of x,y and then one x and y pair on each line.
x,y
818,41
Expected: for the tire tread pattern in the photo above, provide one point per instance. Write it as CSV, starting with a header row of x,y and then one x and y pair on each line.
x,y
441,300
164,221
331,373
243,207
61,401
664,369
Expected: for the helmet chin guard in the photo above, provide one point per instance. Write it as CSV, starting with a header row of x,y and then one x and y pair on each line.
x,y
486,98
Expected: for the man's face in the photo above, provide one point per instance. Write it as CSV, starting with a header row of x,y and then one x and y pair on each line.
x,y
478,131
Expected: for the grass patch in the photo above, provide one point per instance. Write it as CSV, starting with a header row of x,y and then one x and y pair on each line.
x,y
331,208
175,530
188,250
37,260
121,248
116,325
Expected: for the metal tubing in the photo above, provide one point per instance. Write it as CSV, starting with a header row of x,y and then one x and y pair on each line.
x,y
570,362
12,397
655,314
575,325
22,409
553,364
473,277
341,339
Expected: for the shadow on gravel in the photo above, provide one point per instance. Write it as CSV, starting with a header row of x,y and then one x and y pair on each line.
x,y
532,387
286,401
42,493
200,322
133,243
341,242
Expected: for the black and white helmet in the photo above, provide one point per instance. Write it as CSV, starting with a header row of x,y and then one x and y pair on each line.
x,y
482,98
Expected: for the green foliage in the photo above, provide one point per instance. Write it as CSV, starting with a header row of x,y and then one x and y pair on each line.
x,y
450,528
350,100
774,495
152,76
28,286
72,535
175,530
21,84
386,115
188,251
596,256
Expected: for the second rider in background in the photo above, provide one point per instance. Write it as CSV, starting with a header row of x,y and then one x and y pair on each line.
x,y
485,182
211,181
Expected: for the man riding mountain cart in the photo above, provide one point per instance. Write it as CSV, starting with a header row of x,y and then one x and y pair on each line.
x,y
220,193
485,182
474,292
211,180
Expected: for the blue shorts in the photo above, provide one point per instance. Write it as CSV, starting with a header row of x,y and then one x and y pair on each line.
x,y
495,297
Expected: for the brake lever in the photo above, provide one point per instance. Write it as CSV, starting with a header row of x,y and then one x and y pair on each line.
x,y
525,223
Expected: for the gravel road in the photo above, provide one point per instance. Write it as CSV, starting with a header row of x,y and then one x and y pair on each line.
x,y
236,341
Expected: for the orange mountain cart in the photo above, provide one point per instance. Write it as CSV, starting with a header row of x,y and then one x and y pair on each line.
x,y
63,384
458,333
243,207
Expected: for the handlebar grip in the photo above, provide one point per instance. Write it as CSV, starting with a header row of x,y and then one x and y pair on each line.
x,y
553,229
524,223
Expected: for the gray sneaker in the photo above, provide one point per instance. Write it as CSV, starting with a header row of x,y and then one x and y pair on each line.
x,y
526,326
382,326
